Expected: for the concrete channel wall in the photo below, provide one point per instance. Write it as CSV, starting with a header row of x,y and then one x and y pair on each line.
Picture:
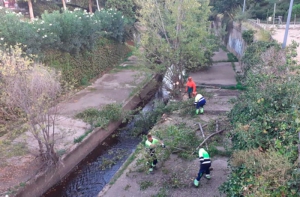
x,y
43,182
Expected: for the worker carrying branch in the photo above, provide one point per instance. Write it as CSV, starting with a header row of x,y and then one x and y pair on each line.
x,y
190,87
205,164
151,143
199,103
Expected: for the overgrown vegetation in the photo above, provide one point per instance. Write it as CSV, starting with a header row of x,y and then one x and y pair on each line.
x,y
33,90
248,36
70,31
232,57
177,33
101,118
265,123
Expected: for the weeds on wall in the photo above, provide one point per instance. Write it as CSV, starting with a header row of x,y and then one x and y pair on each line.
x,y
100,118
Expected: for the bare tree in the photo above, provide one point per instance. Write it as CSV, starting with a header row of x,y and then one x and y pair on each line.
x,y
34,89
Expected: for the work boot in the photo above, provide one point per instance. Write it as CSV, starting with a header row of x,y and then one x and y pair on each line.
x,y
201,110
197,111
150,170
207,176
196,183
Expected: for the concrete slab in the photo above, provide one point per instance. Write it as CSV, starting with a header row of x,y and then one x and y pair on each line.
x,y
110,88
221,73
220,56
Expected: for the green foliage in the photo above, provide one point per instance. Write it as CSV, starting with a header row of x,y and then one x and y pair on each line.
x,y
265,122
179,39
61,152
145,184
225,8
256,173
252,55
112,112
125,6
86,65
147,119
248,36
70,31
184,107
101,118
296,9
179,139
80,138
232,57
108,162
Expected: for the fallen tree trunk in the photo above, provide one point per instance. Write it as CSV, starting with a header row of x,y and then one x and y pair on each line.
x,y
210,137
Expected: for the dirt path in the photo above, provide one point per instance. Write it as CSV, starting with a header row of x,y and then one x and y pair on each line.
x,y
174,177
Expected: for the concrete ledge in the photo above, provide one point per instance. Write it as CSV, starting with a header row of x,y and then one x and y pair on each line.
x,y
38,185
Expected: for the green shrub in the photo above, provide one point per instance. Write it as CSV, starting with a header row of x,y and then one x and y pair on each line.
x,y
69,31
232,57
248,36
265,120
252,55
256,173
101,118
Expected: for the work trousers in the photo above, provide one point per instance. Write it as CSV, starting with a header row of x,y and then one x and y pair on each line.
x,y
154,158
204,168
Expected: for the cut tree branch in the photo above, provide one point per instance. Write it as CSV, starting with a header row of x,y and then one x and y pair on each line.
x,y
210,137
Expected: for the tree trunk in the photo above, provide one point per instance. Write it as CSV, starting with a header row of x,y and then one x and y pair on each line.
x,y
64,4
90,6
98,5
30,10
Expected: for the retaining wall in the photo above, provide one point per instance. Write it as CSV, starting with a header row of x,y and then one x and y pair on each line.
x,y
236,43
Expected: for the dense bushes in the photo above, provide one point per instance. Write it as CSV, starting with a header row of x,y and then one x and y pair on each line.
x,y
266,121
248,36
79,44
70,31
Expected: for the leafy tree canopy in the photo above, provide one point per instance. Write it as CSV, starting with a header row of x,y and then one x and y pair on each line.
x,y
175,34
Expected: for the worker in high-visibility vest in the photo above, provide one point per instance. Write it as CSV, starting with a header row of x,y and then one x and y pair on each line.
x,y
205,164
151,143
199,103
190,87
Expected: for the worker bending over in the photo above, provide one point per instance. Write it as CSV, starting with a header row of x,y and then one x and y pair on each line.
x,y
199,103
